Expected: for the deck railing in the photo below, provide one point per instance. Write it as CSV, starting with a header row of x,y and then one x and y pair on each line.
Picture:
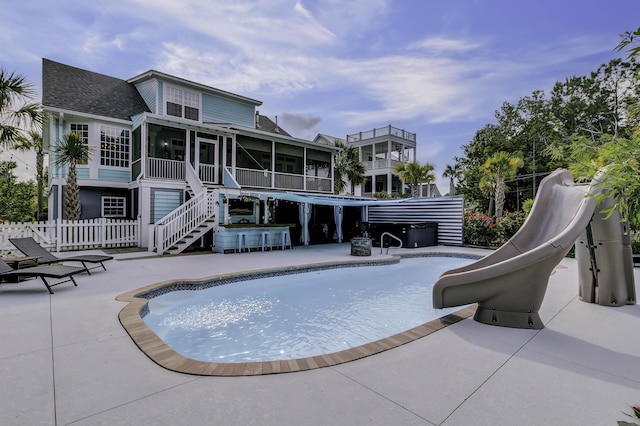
x,y
161,168
382,131
208,173
289,181
182,221
253,178
61,235
320,184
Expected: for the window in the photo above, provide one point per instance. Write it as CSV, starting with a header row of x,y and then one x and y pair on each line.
x,y
114,147
114,206
182,103
83,131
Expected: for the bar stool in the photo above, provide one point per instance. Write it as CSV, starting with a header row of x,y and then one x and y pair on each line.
x,y
286,240
266,240
241,242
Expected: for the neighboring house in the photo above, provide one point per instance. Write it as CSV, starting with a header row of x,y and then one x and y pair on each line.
x,y
162,143
380,150
429,190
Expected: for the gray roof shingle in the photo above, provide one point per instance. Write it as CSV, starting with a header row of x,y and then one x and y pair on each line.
x,y
79,90
268,125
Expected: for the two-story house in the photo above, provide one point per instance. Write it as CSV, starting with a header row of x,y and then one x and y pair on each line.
x,y
171,152
379,152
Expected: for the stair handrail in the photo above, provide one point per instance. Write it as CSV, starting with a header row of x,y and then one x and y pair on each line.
x,y
193,180
388,247
183,220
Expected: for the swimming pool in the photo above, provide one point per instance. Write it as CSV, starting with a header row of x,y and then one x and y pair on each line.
x,y
297,316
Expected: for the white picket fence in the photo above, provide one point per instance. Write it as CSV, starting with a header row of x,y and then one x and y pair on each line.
x,y
63,235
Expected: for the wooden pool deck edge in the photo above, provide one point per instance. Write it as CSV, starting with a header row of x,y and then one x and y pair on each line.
x,y
159,352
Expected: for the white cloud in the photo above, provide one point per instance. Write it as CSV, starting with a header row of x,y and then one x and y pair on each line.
x,y
350,17
442,45
246,25
240,73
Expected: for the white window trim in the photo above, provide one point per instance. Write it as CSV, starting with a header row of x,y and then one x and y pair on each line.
x,y
120,130
110,197
87,141
193,95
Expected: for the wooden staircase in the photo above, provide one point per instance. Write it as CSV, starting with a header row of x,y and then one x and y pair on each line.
x,y
178,230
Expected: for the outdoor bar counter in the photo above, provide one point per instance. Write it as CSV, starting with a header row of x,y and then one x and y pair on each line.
x,y
226,236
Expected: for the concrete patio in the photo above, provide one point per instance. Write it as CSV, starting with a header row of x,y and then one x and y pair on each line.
x,y
65,359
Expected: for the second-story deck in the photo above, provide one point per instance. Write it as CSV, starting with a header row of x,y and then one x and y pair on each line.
x,y
382,131
158,168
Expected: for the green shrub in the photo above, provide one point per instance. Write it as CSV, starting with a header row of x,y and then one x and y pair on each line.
x,y
382,194
487,231
635,242
481,230
510,223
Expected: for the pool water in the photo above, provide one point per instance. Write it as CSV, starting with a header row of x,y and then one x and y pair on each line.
x,y
299,315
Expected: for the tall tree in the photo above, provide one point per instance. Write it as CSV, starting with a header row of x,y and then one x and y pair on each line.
x,y
70,152
502,166
33,140
616,147
452,173
347,168
413,174
17,113
18,198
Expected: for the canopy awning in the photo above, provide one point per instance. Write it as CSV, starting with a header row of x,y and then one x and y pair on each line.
x,y
319,199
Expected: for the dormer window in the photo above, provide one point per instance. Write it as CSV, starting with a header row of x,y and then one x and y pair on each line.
x,y
182,103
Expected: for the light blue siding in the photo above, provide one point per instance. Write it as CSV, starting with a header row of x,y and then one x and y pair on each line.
x,y
114,175
220,110
148,91
163,202
137,121
82,173
160,98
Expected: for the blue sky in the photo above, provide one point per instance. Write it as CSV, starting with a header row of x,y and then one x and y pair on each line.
x,y
436,68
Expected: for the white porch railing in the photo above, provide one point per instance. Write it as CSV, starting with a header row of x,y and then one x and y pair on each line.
x,y
382,131
253,178
380,164
165,169
182,221
321,184
289,181
63,235
208,173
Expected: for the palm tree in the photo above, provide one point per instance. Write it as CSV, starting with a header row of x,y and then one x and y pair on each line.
x,y
413,174
487,185
16,112
347,168
33,140
502,166
452,173
69,152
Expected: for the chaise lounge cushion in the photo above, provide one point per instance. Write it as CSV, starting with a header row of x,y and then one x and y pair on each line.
x,y
30,247
48,271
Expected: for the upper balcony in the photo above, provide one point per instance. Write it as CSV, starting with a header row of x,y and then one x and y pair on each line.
x,y
382,131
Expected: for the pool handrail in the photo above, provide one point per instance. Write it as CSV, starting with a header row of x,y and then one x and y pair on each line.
x,y
388,247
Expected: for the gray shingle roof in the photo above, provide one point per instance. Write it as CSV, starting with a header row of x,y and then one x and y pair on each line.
x,y
267,125
79,90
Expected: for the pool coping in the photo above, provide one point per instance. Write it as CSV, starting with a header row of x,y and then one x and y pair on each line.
x,y
131,319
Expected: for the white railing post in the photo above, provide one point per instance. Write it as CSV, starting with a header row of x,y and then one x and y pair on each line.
x,y
58,233
62,235
102,239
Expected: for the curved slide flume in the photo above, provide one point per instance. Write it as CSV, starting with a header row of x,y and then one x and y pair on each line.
x,y
509,284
